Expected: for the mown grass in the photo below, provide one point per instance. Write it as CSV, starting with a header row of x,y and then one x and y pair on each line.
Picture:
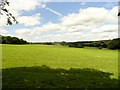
x,y
17,58
46,77
60,57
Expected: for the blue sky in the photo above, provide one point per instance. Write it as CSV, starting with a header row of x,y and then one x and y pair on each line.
x,y
61,21
67,7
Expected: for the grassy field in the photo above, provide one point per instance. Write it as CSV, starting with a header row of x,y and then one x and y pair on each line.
x,y
47,66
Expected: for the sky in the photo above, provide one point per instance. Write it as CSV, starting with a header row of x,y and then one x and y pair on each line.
x,y
48,21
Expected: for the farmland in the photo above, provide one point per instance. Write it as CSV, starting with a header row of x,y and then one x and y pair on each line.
x,y
40,66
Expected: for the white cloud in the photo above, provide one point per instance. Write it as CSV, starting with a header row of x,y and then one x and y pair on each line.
x,y
17,7
105,28
23,31
112,15
91,16
23,5
3,31
51,27
89,24
101,36
29,20
3,20
103,32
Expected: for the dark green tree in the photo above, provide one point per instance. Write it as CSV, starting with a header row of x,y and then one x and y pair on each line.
x,y
114,44
12,40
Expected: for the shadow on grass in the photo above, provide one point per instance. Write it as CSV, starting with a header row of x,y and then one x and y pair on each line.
x,y
46,77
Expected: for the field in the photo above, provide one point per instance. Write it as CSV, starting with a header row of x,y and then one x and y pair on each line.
x,y
57,66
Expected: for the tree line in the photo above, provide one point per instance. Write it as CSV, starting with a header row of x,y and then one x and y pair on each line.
x,y
11,40
110,44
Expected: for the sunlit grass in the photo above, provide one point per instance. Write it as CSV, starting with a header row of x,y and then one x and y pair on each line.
x,y
60,57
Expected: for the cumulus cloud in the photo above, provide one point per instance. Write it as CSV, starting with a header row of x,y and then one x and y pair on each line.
x,y
101,36
17,6
49,27
112,15
3,20
23,31
29,20
3,31
89,24
91,16
103,32
105,28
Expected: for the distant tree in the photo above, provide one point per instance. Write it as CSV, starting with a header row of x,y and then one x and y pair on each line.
x,y
56,43
114,44
5,11
95,43
80,45
12,40
104,44
63,43
75,44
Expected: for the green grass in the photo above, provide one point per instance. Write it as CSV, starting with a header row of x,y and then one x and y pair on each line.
x,y
46,77
17,57
60,57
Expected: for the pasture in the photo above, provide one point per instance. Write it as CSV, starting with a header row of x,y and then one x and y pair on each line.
x,y
57,66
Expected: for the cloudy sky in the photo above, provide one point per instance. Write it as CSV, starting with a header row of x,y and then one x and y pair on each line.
x,y
62,21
